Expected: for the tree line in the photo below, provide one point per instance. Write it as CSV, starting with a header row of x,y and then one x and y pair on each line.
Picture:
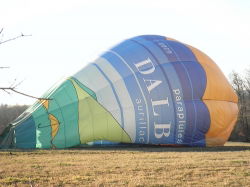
x,y
9,113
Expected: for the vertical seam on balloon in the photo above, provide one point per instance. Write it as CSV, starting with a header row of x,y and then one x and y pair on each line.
x,y
203,68
111,68
78,105
66,92
107,112
189,79
78,82
92,121
165,78
122,59
190,85
195,111
54,99
113,89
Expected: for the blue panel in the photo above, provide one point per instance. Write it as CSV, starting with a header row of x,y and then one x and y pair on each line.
x,y
202,124
197,77
182,52
174,84
162,43
135,94
134,55
191,122
193,83
181,80
192,77
198,121
26,134
185,83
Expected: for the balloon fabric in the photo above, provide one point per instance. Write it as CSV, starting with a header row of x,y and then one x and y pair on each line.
x,y
146,90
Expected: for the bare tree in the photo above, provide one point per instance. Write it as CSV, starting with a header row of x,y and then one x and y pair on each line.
x,y
12,87
241,85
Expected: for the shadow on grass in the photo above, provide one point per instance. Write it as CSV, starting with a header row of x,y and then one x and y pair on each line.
x,y
134,147
156,148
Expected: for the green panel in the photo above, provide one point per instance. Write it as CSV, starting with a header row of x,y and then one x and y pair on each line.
x,y
95,122
89,91
64,106
43,129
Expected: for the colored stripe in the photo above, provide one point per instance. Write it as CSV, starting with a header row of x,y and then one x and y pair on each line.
x,y
198,94
139,88
123,95
95,122
113,89
92,78
63,105
170,77
135,54
191,74
193,117
135,93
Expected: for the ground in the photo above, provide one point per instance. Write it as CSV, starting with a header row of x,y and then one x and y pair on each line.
x,y
128,166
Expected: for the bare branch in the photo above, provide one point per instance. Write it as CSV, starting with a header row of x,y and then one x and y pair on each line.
x,y
8,40
4,67
13,86
6,92
6,89
16,85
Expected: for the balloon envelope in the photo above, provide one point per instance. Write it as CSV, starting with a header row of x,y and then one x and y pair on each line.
x,y
146,90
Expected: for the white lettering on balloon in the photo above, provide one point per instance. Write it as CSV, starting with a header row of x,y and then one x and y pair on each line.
x,y
180,116
147,67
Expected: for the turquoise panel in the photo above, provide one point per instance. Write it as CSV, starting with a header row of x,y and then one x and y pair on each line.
x,y
26,134
43,128
64,106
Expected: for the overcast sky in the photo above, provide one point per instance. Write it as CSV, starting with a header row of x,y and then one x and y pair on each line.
x,y
66,35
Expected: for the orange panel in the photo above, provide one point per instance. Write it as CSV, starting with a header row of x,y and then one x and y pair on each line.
x,y
220,99
218,87
223,115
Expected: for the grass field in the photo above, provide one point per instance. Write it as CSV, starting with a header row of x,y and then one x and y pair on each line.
x,y
128,166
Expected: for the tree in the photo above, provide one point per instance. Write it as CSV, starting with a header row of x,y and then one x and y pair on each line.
x,y
241,85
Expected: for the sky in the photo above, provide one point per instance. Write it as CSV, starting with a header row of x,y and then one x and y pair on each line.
x,y
68,34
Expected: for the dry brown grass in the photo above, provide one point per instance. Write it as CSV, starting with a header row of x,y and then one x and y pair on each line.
x,y
128,166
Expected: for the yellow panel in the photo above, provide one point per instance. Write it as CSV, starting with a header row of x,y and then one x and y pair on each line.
x,y
223,115
45,103
54,125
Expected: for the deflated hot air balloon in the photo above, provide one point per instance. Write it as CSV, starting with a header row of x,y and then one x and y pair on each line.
x,y
146,90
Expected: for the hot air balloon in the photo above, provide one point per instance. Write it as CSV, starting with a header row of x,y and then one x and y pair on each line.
x,y
146,90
